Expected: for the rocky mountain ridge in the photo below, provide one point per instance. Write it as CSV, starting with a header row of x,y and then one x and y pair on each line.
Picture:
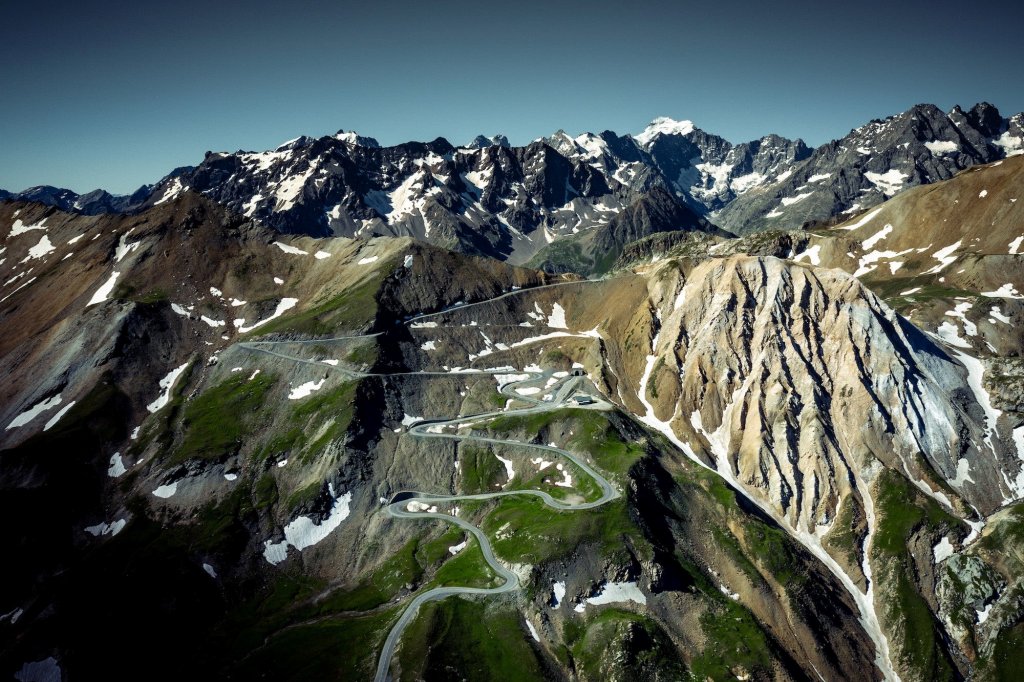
x,y
490,198
875,162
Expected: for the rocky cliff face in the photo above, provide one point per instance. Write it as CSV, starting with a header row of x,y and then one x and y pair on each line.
x,y
596,251
796,362
712,171
875,162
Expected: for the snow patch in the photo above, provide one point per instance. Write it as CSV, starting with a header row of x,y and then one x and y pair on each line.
x,y
950,333
618,592
21,228
566,481
889,182
503,379
959,312
998,314
124,248
864,220
103,293
741,184
508,467
303,532
876,237
942,550
789,201
975,373
31,413
811,254
288,248
116,467
284,305
728,593
303,390
167,383
558,592
1005,291
167,490
174,188
56,418
104,528
557,317
944,257
42,248
940,147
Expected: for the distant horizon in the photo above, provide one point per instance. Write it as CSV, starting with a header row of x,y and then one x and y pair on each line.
x,y
115,95
512,142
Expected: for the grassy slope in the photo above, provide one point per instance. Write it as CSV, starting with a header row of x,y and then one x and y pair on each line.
x,y
902,511
474,639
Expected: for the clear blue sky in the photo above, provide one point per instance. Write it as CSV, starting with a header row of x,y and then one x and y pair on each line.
x,y
114,95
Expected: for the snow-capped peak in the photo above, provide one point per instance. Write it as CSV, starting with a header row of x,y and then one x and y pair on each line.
x,y
483,142
663,125
352,137
294,143
564,143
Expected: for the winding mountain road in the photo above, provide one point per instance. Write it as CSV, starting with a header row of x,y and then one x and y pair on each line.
x,y
565,387
400,509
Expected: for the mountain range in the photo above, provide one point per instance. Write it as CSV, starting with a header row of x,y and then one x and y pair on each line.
x,y
648,407
490,198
